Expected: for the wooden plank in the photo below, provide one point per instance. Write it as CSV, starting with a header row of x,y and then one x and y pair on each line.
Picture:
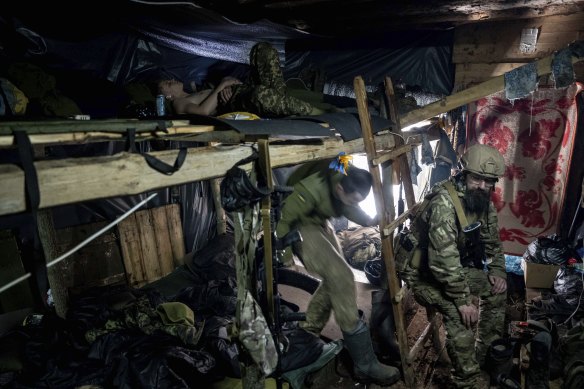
x,y
175,231
469,95
96,136
391,154
93,263
467,74
499,41
11,267
74,180
106,125
150,263
162,240
131,250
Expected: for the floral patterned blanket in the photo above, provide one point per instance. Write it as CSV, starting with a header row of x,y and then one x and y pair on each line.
x,y
535,135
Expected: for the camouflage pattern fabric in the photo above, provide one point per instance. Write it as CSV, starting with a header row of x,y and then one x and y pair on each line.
x,y
255,335
308,208
143,316
440,280
323,256
265,92
466,352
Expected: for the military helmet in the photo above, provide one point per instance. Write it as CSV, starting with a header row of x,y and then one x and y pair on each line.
x,y
483,160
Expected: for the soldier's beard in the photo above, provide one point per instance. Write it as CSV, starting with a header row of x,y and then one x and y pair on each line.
x,y
477,200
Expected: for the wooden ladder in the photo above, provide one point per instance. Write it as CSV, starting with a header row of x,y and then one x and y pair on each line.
x,y
388,223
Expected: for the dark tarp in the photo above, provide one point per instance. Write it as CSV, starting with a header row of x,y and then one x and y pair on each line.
x,y
123,42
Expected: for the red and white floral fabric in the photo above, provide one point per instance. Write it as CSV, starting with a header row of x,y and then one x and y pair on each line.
x,y
535,135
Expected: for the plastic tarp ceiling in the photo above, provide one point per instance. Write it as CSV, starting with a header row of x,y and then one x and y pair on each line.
x,y
126,42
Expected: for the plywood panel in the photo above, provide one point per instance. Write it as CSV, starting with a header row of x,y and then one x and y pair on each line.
x,y
150,262
11,267
473,73
152,243
131,250
499,41
163,243
97,261
176,233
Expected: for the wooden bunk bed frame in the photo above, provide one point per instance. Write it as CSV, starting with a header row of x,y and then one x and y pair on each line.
x,y
75,180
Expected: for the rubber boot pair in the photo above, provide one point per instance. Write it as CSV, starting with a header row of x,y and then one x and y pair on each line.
x,y
383,327
367,368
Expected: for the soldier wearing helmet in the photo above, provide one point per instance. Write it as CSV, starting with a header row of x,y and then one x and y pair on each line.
x,y
454,266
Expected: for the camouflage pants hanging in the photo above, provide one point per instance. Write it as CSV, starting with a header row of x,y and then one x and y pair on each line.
x,y
265,93
466,352
322,255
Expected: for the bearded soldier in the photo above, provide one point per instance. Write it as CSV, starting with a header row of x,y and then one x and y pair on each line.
x,y
454,263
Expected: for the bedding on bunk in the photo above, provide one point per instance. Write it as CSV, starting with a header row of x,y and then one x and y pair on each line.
x,y
536,136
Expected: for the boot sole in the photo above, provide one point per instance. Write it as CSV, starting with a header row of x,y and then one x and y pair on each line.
x,y
368,380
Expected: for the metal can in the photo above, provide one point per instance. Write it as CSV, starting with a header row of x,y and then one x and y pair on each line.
x,y
160,111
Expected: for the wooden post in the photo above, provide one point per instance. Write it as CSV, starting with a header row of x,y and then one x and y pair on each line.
x,y
433,326
386,241
220,215
266,214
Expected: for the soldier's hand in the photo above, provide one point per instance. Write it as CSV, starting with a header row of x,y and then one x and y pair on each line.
x,y
469,315
499,284
225,94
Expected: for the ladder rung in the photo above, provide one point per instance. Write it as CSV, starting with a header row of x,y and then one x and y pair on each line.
x,y
422,339
388,229
391,154
399,296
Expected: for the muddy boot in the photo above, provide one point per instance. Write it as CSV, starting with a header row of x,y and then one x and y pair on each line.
x,y
383,327
499,359
538,373
366,366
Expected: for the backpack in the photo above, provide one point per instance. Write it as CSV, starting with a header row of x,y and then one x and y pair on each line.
x,y
12,100
411,244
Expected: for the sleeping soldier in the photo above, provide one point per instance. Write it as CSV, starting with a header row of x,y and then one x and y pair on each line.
x,y
265,92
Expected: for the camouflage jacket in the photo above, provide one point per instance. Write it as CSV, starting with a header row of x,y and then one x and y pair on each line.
x,y
447,244
313,200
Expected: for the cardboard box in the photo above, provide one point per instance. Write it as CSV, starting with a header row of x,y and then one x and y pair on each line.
x,y
538,275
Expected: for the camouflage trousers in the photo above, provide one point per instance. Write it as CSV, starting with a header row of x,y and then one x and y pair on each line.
x,y
265,92
466,348
323,256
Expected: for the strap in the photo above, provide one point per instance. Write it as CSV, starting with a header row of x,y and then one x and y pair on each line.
x,y
35,263
154,162
254,155
457,204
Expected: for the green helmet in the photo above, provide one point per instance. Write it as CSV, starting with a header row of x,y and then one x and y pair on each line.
x,y
483,160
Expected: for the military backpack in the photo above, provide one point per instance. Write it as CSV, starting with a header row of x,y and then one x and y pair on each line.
x,y
411,244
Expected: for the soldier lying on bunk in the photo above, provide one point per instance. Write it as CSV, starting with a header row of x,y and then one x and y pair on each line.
x,y
203,102
264,93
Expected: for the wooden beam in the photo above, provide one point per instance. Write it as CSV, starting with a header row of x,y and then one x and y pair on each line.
x,y
96,136
75,180
469,95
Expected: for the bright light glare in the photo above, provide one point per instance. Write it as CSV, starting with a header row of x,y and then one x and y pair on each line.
x,y
368,205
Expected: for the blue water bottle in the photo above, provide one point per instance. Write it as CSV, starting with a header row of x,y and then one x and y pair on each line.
x,y
160,111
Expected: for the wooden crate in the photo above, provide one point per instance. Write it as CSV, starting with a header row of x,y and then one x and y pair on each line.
x,y
152,243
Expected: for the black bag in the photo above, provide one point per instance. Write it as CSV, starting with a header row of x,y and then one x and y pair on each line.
x,y
237,190
549,250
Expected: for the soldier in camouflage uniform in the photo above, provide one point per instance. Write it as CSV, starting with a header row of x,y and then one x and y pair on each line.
x,y
319,194
265,92
448,275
